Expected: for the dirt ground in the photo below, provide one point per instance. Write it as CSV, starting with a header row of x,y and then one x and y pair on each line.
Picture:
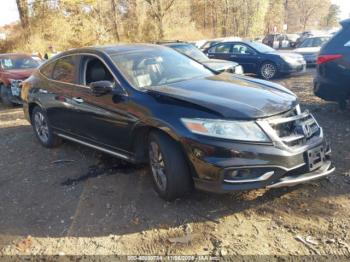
x,y
75,201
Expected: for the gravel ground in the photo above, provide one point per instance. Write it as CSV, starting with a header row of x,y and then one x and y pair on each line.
x,y
75,201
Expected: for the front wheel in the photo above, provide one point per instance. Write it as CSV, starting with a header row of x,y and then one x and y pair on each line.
x,y
268,70
170,172
42,129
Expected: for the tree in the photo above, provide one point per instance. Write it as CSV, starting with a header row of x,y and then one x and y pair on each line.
x,y
332,17
306,13
158,10
23,11
115,19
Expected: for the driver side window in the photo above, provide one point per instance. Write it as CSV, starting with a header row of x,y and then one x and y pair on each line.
x,y
94,70
240,49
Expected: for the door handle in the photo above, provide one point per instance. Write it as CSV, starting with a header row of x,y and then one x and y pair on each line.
x,y
210,55
233,56
78,100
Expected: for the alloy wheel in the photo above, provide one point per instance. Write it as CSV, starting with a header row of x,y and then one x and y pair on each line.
x,y
268,71
41,127
157,166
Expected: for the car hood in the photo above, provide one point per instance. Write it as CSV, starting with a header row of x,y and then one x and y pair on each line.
x,y
233,97
307,50
293,55
19,74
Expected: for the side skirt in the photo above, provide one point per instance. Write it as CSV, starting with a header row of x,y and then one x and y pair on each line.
x,y
113,153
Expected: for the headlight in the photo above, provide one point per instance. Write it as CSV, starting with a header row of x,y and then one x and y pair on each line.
x,y
235,130
288,59
239,70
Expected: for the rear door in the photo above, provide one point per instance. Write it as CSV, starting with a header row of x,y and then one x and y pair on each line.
x,y
55,93
101,120
221,51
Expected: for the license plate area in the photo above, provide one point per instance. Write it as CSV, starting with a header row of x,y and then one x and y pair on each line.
x,y
315,157
15,90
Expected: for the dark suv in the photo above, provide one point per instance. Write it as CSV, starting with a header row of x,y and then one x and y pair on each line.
x,y
332,82
217,131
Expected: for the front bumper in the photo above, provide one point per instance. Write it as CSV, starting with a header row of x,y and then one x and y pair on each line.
x,y
288,68
223,165
15,93
267,166
323,171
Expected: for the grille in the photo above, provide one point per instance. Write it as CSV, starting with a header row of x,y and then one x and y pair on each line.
x,y
295,129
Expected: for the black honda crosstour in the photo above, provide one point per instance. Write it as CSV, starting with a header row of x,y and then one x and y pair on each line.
x,y
195,127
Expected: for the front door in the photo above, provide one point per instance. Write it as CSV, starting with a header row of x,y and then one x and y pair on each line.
x,y
246,57
102,120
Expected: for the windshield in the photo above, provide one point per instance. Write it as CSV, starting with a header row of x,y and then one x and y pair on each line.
x,y
191,51
314,42
261,47
20,62
158,67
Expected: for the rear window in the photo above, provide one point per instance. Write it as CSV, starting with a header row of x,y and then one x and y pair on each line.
x,y
221,48
47,69
64,70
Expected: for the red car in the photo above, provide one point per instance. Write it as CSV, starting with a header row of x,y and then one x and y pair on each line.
x,y
14,68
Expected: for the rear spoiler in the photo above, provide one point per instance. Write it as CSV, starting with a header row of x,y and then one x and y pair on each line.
x,y
345,23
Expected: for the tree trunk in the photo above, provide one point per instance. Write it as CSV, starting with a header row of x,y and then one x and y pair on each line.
x,y
115,20
23,11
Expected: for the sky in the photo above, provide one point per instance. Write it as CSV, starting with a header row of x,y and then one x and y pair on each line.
x,y
9,13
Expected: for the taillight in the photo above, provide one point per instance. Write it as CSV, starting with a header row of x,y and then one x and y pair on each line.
x,y
321,59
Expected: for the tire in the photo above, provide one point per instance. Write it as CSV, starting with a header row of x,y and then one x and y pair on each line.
x,y
5,94
268,70
43,130
168,166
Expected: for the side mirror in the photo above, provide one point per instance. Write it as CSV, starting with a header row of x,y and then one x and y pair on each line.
x,y
100,88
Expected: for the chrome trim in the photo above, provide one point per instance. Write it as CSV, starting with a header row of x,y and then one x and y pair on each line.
x,y
288,139
291,181
95,147
263,177
270,166
267,126
277,121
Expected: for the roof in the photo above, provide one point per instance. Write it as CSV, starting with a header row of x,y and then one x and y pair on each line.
x,y
345,22
111,49
121,48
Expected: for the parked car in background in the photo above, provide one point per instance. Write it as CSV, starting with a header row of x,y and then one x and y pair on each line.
x,y
310,48
258,58
198,55
308,34
271,40
217,131
38,58
293,39
280,41
14,68
332,81
209,43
